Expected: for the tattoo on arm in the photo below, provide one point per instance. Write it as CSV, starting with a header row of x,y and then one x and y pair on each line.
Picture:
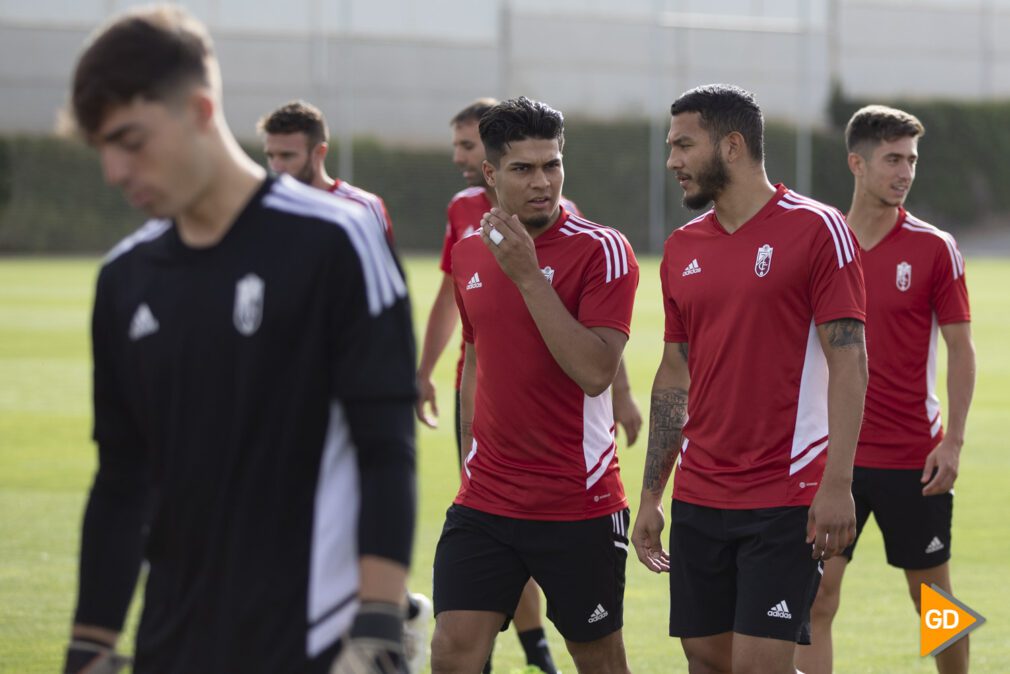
x,y
682,346
845,333
667,415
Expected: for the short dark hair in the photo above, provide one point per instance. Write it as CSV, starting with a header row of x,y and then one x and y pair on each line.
x,y
875,124
474,111
725,108
297,117
149,53
518,119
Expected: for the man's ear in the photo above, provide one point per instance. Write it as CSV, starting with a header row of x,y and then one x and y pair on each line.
x,y
857,164
733,147
489,171
319,152
203,107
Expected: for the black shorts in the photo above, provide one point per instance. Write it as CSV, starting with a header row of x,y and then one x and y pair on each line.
x,y
483,561
916,528
745,571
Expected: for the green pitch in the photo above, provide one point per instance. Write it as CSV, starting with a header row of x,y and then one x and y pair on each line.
x,y
46,462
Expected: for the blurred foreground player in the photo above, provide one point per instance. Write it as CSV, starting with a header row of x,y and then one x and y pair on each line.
x,y
906,462
295,142
253,390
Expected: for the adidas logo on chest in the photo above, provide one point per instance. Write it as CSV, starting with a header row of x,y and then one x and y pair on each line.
x,y
693,268
474,282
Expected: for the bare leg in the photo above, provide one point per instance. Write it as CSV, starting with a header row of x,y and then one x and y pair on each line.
x,y
709,655
817,657
603,656
462,640
953,660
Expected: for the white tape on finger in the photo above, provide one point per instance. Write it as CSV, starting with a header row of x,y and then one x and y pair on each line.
x,y
496,236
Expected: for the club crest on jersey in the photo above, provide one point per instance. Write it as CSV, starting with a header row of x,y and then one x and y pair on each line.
x,y
248,312
904,279
548,274
763,263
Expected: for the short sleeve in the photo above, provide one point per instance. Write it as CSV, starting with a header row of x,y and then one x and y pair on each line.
x,y
373,353
464,319
608,295
387,222
836,282
949,295
674,330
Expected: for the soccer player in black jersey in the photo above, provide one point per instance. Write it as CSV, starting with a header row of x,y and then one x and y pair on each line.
x,y
253,391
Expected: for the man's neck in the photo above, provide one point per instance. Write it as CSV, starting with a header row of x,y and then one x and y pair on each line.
x,y
213,212
323,181
742,199
491,196
870,219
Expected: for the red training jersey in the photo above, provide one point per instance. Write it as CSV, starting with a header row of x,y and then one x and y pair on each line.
x,y
914,284
748,304
542,449
372,202
463,215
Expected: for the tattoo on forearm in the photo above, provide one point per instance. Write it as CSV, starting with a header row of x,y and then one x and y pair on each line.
x,y
682,346
845,333
667,415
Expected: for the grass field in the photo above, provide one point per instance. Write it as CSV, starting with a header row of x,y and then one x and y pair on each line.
x,y
46,462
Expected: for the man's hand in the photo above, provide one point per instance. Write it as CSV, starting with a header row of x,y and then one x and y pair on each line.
x,y
627,414
944,460
426,396
515,252
89,656
831,521
647,537
374,644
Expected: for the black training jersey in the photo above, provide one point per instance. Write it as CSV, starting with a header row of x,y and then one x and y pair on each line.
x,y
222,377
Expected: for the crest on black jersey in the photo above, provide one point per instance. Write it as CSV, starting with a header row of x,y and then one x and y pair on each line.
x,y
248,312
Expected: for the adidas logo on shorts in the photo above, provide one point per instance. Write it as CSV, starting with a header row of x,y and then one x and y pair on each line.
x,y
780,610
935,545
474,282
599,614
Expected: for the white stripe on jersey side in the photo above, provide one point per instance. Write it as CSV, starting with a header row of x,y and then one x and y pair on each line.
x,y
801,463
811,404
469,457
149,231
598,445
932,401
383,281
333,574
844,246
610,240
956,259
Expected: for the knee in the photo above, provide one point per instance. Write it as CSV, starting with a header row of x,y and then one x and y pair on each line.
x,y
826,604
709,663
450,652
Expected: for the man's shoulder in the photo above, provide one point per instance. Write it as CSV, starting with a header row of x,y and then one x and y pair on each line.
x,y
150,232
926,233
468,195
353,192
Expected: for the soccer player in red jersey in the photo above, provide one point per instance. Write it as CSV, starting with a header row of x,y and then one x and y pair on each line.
x,y
906,462
545,298
295,142
759,393
463,218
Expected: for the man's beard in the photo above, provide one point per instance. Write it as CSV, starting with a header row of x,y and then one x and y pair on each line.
x,y
539,222
307,174
712,179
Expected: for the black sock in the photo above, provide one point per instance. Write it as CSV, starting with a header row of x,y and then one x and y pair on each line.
x,y
538,653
